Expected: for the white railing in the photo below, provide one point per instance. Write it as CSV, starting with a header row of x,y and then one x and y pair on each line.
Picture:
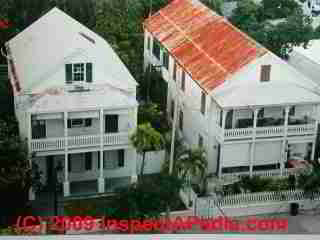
x,y
269,131
79,141
276,131
248,204
301,129
47,144
116,138
83,141
238,133
267,173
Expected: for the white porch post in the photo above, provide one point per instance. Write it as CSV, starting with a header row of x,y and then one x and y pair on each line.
x,y
66,184
134,177
32,195
253,144
101,181
224,115
284,152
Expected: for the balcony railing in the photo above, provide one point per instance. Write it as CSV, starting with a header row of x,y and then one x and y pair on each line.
x,y
275,131
49,144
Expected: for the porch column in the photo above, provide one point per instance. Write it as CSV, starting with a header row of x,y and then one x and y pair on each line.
x,y
224,115
134,177
253,144
101,181
66,184
284,143
31,192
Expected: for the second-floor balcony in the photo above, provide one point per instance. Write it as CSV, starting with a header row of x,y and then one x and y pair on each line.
x,y
48,144
274,125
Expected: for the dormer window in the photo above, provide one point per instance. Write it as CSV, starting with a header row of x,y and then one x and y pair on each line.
x,y
78,72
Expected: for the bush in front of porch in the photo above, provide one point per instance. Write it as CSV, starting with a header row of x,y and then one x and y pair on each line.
x,y
258,184
147,199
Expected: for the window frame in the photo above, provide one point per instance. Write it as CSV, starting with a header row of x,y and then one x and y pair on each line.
x,y
82,73
156,49
165,55
203,103
183,81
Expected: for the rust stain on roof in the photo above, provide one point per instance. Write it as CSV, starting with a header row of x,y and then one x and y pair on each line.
x,y
204,43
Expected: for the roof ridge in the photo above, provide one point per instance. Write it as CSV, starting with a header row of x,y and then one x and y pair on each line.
x,y
196,45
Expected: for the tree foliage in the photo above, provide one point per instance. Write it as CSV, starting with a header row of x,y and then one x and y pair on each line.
x,y
215,5
254,19
145,139
148,199
16,176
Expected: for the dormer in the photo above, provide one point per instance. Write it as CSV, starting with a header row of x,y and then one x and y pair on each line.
x,y
78,73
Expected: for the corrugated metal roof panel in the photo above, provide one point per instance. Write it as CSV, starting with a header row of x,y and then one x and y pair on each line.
x,y
205,44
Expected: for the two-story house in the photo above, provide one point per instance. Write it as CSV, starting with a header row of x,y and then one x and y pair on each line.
x,y
250,110
75,102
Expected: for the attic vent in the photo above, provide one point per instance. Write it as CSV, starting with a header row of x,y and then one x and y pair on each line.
x,y
265,73
87,37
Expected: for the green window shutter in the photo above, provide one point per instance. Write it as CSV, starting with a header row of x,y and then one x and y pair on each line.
x,y
88,122
89,72
69,123
69,163
68,73
88,161
121,158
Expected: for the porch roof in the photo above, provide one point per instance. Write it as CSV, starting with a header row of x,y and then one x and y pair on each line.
x,y
266,94
60,101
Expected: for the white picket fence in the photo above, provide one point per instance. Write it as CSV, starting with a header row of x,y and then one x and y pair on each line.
x,y
253,203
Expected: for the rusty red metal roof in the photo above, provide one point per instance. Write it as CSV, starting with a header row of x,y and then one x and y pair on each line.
x,y
204,43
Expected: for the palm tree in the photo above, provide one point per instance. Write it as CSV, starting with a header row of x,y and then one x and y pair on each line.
x,y
193,163
146,139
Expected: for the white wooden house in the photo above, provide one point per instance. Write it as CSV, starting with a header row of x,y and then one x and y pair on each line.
x,y
75,102
250,110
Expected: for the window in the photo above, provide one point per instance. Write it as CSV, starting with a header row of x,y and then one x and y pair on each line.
x,y
78,72
88,161
261,113
111,123
172,110
38,129
148,43
183,81
165,59
181,121
121,158
200,143
69,163
174,71
203,103
265,73
156,49
79,122
292,111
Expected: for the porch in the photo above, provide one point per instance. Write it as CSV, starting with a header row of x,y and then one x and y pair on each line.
x,y
266,122
266,158
87,173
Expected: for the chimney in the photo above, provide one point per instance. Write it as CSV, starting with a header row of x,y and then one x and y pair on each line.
x,y
265,73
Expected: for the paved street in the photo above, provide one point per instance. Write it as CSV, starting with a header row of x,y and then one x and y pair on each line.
x,y
304,222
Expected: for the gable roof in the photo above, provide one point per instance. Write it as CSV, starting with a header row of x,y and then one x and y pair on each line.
x,y
46,45
204,43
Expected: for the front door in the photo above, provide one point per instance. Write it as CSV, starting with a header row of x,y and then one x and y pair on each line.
x,y
50,173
